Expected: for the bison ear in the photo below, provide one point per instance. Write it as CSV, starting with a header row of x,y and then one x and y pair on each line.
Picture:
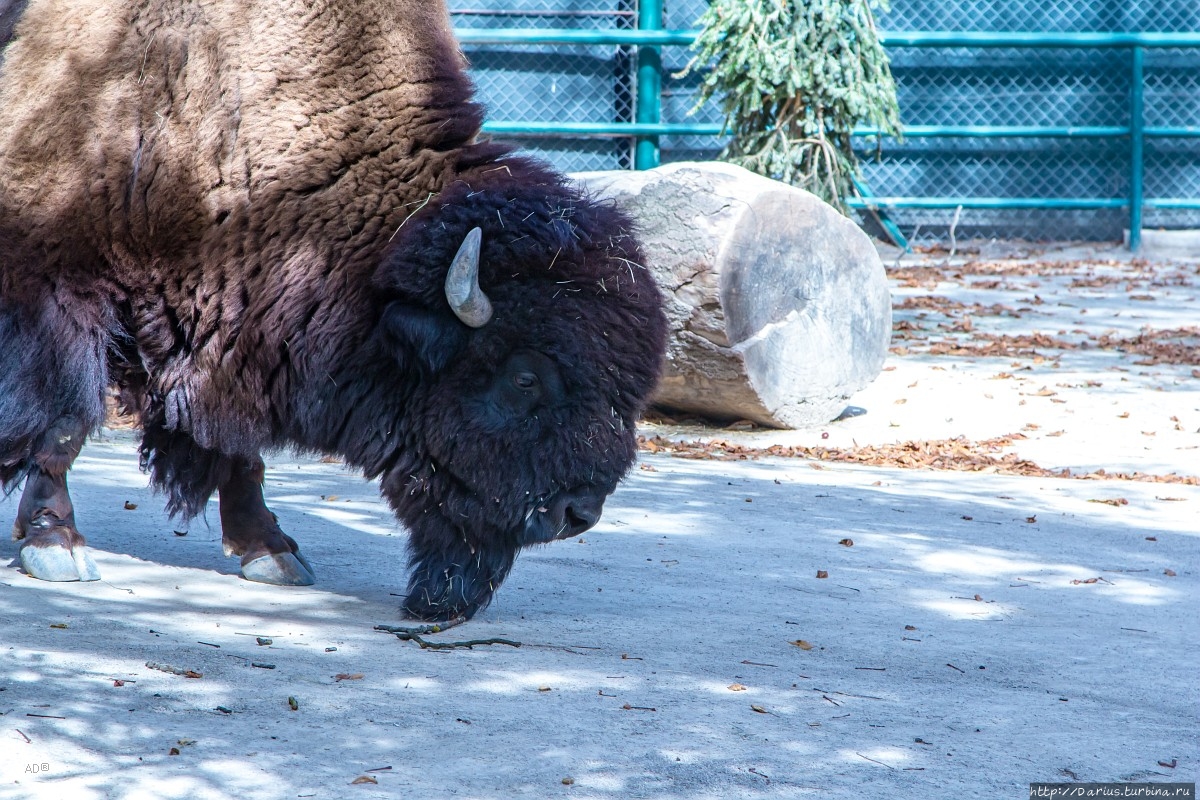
x,y
421,339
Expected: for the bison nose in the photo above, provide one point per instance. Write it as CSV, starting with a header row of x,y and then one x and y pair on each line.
x,y
576,513
580,517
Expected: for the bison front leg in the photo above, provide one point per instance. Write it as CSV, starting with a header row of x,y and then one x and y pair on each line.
x,y
251,531
52,548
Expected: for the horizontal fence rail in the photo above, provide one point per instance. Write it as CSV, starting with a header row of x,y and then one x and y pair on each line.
x,y
648,126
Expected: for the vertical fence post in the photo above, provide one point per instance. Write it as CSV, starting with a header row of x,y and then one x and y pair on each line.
x,y
1137,141
649,84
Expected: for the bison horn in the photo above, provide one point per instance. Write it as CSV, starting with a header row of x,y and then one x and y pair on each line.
x,y
466,299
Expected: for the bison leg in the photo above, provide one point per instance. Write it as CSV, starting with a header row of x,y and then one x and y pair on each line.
x,y
52,549
251,531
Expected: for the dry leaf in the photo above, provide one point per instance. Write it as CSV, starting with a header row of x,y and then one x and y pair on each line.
x,y
736,687
59,625
978,598
293,704
803,645
1077,582
1031,520
568,781
118,682
1116,501
846,543
348,676
1170,573
130,506
543,688
822,573
364,779
910,627
759,709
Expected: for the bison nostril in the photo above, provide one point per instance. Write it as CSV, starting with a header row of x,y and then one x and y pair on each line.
x,y
580,514
563,516
580,519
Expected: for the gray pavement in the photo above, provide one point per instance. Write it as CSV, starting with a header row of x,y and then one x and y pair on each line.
x,y
983,630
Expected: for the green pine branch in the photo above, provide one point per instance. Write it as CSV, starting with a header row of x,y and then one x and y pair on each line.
x,y
794,78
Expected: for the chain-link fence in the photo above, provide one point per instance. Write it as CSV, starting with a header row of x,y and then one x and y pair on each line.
x,y
1066,87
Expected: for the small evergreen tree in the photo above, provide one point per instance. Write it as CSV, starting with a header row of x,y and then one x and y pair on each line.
x,y
794,78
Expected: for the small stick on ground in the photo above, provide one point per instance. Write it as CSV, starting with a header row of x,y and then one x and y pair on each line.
x,y
873,761
470,643
423,630
415,635
23,736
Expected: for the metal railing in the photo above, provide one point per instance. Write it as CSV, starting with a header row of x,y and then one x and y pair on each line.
x,y
648,126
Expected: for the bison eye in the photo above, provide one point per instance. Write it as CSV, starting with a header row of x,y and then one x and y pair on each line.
x,y
525,381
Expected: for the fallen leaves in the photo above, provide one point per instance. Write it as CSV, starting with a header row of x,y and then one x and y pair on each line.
x,y
954,455
803,645
1114,501
348,676
736,687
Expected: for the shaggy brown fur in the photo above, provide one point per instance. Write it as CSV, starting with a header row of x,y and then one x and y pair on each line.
x,y
242,213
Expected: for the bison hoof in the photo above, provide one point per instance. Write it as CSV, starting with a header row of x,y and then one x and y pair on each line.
x,y
280,569
52,556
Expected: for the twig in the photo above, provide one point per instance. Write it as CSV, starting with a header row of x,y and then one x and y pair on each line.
x,y
880,763
419,206
422,630
44,716
415,634
951,666
426,645
953,228
23,736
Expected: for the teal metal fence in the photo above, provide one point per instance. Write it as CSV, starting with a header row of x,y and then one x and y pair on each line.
x,y
647,126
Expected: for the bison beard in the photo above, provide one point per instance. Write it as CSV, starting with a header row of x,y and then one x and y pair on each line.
x,y
262,245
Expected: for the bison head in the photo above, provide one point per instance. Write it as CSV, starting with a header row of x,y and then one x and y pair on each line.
x,y
528,338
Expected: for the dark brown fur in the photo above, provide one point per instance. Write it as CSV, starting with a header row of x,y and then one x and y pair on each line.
x,y
242,213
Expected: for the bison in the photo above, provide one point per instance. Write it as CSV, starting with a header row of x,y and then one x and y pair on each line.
x,y
275,225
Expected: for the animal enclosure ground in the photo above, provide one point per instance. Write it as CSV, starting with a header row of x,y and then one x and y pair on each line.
x,y
982,623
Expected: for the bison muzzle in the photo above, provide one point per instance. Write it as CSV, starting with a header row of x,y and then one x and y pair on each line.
x,y
274,225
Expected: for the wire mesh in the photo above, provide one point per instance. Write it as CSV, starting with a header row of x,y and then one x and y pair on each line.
x,y
556,83
1067,87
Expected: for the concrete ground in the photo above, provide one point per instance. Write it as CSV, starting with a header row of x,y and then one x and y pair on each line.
x,y
974,631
